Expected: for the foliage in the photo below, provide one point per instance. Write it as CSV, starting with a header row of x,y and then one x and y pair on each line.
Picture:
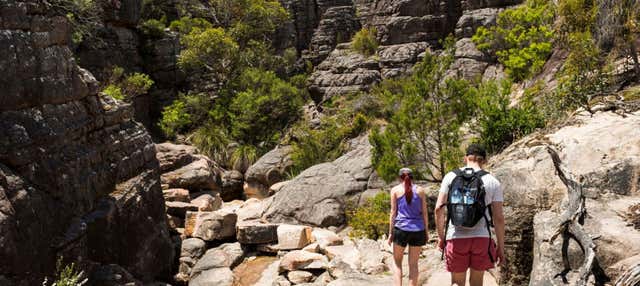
x,y
584,76
212,51
123,86
365,42
185,25
521,39
84,17
152,28
248,19
67,275
174,118
266,104
425,115
575,16
501,124
371,220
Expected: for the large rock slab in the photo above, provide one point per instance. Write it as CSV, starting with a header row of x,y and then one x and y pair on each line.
x,y
173,156
319,194
77,172
604,149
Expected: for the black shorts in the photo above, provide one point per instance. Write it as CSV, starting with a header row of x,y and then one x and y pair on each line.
x,y
412,238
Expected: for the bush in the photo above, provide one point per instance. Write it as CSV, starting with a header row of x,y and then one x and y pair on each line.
x,y
85,17
186,24
371,220
212,51
365,42
153,28
500,124
66,275
424,113
174,118
126,87
521,39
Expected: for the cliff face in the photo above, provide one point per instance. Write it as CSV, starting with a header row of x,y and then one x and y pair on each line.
x,y
78,177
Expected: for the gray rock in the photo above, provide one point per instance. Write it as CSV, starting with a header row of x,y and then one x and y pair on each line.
x,y
173,156
256,232
226,255
176,195
318,195
299,277
192,247
232,182
299,259
180,209
209,226
371,257
214,277
198,175
337,26
207,202
471,20
268,170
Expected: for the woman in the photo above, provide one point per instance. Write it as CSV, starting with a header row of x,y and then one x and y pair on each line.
x,y
408,225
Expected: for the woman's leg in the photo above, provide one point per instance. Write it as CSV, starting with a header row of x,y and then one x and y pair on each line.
x,y
398,254
414,255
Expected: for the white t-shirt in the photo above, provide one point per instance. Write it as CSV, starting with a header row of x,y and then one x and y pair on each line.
x,y
493,194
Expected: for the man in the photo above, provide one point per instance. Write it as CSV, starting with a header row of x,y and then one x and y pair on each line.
x,y
467,245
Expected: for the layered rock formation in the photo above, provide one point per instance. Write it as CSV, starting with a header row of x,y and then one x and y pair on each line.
x,y
78,177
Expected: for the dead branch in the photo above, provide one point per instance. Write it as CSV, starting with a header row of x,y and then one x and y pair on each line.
x,y
631,277
570,227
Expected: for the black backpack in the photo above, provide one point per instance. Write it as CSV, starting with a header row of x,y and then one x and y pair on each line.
x,y
466,201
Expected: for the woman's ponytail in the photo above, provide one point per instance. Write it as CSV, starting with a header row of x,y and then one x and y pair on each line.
x,y
408,187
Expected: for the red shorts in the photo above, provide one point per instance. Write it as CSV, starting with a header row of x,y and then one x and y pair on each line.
x,y
464,253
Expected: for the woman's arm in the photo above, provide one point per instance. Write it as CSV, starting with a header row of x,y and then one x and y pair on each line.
x,y
392,214
425,209
440,217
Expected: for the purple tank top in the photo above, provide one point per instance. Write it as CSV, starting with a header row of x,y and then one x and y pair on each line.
x,y
409,217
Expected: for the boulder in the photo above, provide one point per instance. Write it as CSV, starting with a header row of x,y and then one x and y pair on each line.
x,y
173,156
232,182
299,277
318,195
299,259
256,232
176,195
227,255
180,209
314,247
277,187
337,25
268,170
198,175
190,251
209,226
252,209
371,257
214,277
207,202
347,253
604,149
338,268
293,236
325,237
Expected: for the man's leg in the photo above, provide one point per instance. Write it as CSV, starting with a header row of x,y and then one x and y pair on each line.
x,y
459,278
398,254
476,277
414,255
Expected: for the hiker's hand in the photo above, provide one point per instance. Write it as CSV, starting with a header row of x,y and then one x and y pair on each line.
x,y
500,256
441,244
390,240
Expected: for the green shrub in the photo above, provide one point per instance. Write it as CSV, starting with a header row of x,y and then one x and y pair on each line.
x,y
212,51
114,91
521,39
424,114
501,124
174,118
371,220
365,42
85,17
213,141
66,275
186,24
153,28
126,87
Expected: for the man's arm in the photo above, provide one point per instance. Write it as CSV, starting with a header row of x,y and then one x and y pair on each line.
x,y
440,217
392,215
498,222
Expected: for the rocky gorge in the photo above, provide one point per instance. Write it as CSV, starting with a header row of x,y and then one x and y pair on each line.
x,y
83,180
